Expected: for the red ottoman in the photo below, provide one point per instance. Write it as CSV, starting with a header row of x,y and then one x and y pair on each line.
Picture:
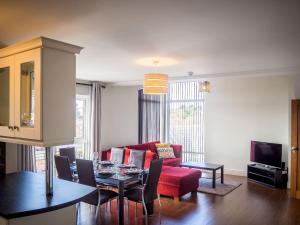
x,y
177,181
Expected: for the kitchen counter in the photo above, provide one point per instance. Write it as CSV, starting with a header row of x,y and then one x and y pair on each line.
x,y
23,194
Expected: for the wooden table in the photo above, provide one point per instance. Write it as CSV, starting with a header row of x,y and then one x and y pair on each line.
x,y
207,166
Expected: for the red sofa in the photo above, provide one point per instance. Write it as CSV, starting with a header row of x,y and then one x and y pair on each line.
x,y
174,180
151,153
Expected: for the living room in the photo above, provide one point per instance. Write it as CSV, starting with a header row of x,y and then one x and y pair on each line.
x,y
203,92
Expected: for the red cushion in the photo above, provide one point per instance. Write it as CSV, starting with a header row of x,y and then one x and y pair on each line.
x,y
126,156
177,181
149,156
172,162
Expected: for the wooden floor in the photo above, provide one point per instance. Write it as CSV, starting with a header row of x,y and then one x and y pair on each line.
x,y
250,204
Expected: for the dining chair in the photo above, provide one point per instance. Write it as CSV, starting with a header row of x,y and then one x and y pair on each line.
x,y
86,176
68,152
117,155
147,193
137,157
63,168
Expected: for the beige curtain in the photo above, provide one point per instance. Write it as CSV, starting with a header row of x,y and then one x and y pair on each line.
x,y
26,158
96,116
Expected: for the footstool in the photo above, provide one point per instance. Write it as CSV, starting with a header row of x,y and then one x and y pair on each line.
x,y
176,181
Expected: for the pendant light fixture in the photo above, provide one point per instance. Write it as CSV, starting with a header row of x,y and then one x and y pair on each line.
x,y
205,86
155,83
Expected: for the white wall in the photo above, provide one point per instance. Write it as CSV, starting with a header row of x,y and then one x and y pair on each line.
x,y
119,116
239,110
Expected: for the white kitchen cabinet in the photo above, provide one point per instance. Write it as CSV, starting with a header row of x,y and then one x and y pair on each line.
x,y
37,92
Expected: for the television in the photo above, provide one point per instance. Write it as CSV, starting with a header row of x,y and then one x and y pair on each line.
x,y
266,153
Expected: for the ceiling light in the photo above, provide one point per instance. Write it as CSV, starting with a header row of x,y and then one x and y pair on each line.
x,y
163,61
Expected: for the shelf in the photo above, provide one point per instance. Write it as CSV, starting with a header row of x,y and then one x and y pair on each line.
x,y
256,174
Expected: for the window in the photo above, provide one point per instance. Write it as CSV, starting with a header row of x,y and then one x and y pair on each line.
x,y
83,115
185,119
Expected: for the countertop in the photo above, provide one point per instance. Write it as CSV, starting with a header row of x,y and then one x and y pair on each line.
x,y
24,194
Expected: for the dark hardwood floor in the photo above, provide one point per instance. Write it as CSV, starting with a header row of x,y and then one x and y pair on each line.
x,y
250,204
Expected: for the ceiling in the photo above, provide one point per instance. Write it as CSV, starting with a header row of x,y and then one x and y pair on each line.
x,y
208,37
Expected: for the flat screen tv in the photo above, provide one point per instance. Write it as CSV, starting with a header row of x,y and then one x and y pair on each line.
x,y
266,153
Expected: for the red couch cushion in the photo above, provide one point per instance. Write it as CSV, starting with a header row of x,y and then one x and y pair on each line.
x,y
127,155
149,156
172,162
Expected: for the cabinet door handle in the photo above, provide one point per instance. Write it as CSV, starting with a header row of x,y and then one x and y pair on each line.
x,y
10,127
16,128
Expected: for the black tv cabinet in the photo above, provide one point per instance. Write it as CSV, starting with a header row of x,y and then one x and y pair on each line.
x,y
273,177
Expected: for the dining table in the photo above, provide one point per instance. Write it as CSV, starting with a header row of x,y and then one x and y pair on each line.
x,y
116,177
120,182
120,179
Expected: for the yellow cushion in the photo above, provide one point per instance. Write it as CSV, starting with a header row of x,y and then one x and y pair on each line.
x,y
162,145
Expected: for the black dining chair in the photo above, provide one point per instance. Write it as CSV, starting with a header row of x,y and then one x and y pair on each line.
x,y
86,176
68,152
137,157
147,193
63,168
117,155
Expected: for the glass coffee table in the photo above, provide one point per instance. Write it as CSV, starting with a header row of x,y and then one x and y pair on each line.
x,y
207,166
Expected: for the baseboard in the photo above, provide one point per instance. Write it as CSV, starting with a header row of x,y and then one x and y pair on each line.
x,y
235,172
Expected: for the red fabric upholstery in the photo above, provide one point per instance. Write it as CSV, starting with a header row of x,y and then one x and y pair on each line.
x,y
177,150
177,181
139,147
152,146
149,156
172,162
126,156
149,146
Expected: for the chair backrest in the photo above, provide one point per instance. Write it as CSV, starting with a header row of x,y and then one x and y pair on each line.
x,y
137,157
85,171
150,191
117,155
68,152
63,168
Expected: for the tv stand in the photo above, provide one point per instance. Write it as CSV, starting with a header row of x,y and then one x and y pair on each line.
x,y
271,176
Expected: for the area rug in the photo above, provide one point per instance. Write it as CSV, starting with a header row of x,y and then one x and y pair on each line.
x,y
205,186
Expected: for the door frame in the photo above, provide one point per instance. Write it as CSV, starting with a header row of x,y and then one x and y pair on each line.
x,y
295,157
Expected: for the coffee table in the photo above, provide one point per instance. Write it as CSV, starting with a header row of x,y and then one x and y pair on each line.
x,y
207,166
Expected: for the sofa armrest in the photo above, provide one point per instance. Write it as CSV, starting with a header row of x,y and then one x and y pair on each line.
x,y
177,151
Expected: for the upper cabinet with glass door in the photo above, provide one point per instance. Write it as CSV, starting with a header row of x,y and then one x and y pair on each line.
x,y
6,97
37,92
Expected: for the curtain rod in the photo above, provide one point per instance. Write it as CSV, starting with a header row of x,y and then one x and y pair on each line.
x,y
90,85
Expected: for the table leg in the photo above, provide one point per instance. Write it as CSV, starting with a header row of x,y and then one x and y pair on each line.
x,y
222,175
121,203
150,208
214,179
